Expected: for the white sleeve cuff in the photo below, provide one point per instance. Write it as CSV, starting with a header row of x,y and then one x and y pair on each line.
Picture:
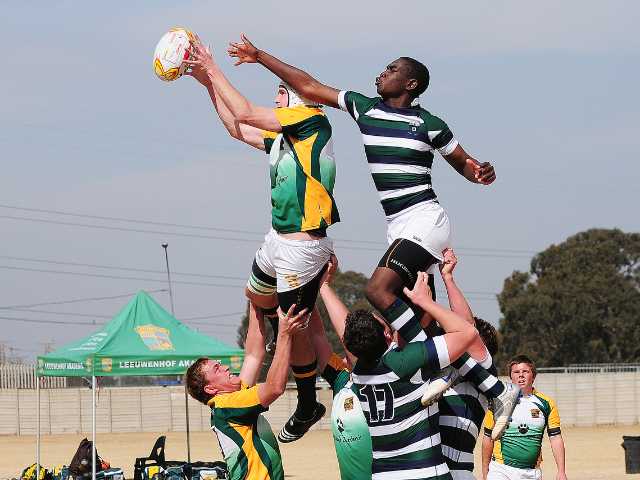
x,y
341,101
443,350
448,148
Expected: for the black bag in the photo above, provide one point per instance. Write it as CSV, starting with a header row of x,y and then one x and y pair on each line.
x,y
81,465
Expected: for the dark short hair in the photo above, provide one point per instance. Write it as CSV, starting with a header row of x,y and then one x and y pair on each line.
x,y
489,335
195,381
364,336
418,72
522,358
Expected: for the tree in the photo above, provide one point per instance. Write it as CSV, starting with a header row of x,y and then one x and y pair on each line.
x,y
349,287
580,302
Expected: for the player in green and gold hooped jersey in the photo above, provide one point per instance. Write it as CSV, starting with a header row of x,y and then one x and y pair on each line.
x,y
247,442
297,136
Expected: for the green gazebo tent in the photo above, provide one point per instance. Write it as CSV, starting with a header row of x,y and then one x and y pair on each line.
x,y
143,339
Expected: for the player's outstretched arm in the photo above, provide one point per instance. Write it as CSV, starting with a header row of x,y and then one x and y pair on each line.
x,y
242,109
557,448
460,334
254,347
276,382
245,133
470,168
298,79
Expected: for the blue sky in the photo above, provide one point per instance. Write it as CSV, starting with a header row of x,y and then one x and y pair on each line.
x,y
102,162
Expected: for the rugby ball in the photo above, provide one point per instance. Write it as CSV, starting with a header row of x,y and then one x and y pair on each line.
x,y
171,52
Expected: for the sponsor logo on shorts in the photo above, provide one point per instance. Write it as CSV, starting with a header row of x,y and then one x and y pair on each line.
x,y
348,404
535,413
292,280
403,267
419,240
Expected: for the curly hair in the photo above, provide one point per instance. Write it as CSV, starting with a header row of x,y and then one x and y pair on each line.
x,y
195,381
364,336
418,72
489,335
522,358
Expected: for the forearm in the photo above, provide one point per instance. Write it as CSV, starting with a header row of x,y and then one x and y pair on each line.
x,y
299,80
557,448
487,452
457,302
335,308
276,381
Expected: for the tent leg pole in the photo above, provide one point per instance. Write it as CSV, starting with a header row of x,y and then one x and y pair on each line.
x,y
186,403
93,421
38,428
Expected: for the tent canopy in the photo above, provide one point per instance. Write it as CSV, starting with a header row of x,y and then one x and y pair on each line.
x,y
143,339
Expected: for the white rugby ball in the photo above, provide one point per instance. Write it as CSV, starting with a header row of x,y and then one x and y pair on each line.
x,y
171,52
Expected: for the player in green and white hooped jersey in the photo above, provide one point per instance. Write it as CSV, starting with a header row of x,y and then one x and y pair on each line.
x,y
404,433
351,435
296,250
400,139
518,453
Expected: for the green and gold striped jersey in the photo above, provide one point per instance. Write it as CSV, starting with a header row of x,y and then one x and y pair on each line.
x,y
247,442
303,171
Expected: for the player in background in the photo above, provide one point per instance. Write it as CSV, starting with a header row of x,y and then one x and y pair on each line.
x,y
518,452
247,442
291,261
463,406
400,139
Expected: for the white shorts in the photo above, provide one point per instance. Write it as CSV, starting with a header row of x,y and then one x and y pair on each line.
x,y
293,263
499,471
425,224
462,475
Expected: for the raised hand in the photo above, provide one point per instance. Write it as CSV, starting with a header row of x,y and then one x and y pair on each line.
x,y
483,172
245,52
201,61
449,263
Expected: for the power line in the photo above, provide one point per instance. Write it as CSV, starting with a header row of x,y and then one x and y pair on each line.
x,y
97,275
118,268
79,300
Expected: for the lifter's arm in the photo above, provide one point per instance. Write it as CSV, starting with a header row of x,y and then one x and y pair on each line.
x,y
557,448
299,80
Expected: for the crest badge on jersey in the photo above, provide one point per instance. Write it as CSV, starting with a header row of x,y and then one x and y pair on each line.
x,y
348,404
535,413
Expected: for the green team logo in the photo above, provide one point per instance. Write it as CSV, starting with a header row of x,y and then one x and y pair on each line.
x,y
154,337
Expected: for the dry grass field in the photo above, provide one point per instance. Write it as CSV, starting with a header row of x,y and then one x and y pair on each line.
x,y
592,452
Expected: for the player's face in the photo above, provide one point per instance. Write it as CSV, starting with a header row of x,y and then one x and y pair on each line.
x,y
393,81
522,376
282,99
220,378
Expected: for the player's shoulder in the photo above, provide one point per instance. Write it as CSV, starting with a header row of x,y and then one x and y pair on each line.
x,y
360,101
430,118
544,398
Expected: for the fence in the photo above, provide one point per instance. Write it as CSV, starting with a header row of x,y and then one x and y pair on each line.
x,y
24,376
587,399
122,409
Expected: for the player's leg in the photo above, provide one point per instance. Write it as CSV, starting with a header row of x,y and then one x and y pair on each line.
x,y
399,268
299,267
261,290
303,363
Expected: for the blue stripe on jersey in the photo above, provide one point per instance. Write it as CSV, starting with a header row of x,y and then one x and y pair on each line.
x,y
434,461
380,131
427,161
393,208
395,184
405,441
